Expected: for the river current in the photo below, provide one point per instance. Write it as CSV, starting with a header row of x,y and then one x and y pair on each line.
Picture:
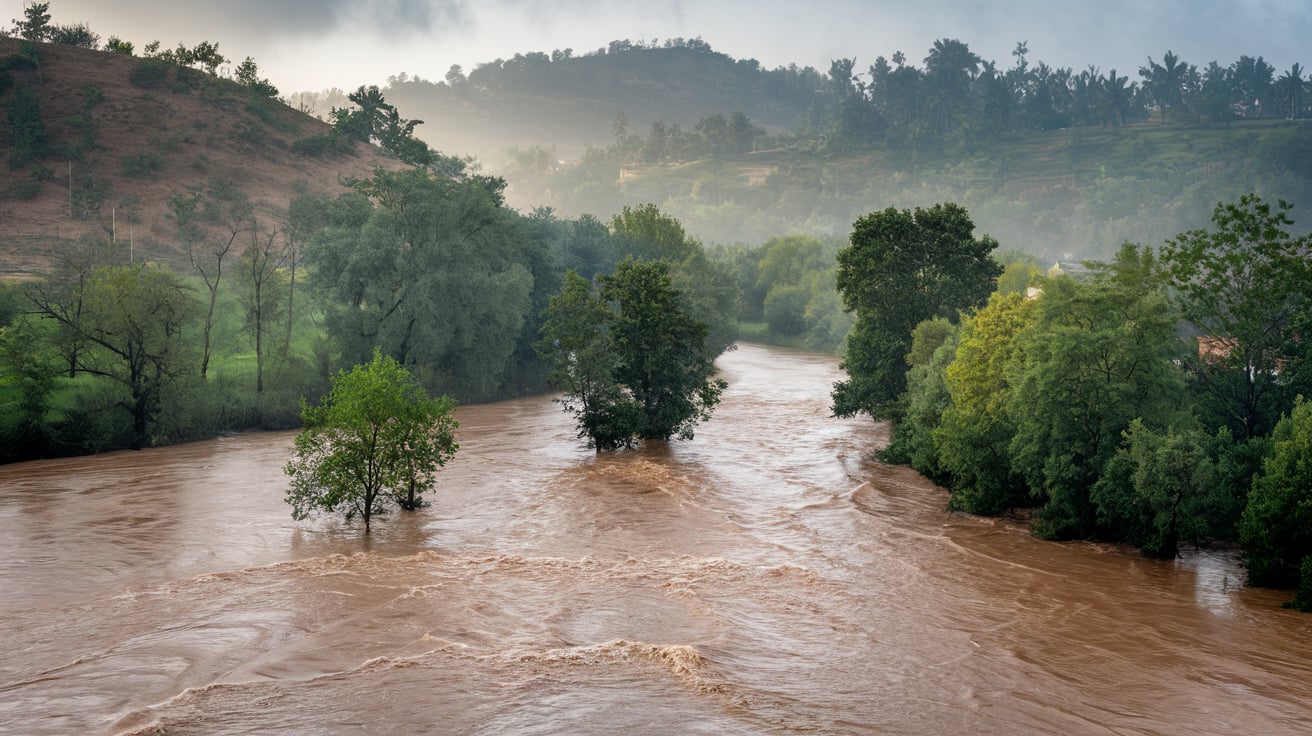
x,y
768,577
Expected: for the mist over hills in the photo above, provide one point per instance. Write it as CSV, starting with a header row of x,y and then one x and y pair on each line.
x,y
1060,163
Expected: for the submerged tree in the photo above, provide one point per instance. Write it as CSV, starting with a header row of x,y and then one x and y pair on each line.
x,y
576,340
376,435
1099,355
632,363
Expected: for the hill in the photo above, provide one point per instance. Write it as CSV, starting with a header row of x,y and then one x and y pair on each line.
x,y
1060,195
96,144
1062,164
573,102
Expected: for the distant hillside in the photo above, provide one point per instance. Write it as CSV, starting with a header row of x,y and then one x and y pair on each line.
x,y
1062,164
94,144
573,101
1060,195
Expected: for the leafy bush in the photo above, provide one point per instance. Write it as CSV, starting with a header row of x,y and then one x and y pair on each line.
x,y
186,79
785,310
27,129
89,418
266,110
76,34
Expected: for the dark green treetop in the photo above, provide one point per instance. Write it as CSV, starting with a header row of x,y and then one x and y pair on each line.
x,y
903,267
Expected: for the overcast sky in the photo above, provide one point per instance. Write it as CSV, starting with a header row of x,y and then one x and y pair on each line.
x,y
310,45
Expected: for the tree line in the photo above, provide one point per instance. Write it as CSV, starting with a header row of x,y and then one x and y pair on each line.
x,y
1154,399
957,97
434,272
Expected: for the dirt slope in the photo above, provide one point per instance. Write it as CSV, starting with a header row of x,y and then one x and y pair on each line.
x,y
122,138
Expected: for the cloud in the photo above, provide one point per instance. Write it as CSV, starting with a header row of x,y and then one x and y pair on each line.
x,y
264,19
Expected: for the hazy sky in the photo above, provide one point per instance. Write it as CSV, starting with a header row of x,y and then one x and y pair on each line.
x,y
309,45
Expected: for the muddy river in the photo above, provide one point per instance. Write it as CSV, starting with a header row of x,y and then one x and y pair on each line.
x,y
768,577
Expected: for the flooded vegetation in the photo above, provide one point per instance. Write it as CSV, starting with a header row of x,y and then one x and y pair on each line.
x,y
768,578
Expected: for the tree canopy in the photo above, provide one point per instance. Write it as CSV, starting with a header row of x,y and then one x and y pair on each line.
x,y
376,436
1246,286
901,268
631,361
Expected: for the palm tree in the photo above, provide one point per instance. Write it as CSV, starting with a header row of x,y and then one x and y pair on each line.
x,y
1116,98
951,68
1165,81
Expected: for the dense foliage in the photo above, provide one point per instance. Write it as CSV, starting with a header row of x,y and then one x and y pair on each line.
x,y
431,270
376,436
901,268
632,363
1095,398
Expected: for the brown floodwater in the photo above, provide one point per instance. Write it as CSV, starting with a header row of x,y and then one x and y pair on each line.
x,y
768,577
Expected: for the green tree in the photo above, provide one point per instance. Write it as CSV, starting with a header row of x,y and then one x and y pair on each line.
x,y
933,348
630,359
950,69
377,435
27,128
661,352
1154,490
1276,529
75,34
576,342
785,310
1293,90
248,75
260,264
374,120
209,227
130,324
974,438
709,292
1245,285
117,45
901,268
35,23
430,270
27,360
1098,356
1166,81
61,295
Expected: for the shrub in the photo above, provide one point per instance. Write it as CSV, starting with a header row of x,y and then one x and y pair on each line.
x,y
119,46
186,80
76,34
92,419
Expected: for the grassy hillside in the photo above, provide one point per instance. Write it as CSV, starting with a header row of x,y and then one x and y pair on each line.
x,y
121,136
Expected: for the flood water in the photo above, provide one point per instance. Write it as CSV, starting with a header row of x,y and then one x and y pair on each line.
x,y
768,577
